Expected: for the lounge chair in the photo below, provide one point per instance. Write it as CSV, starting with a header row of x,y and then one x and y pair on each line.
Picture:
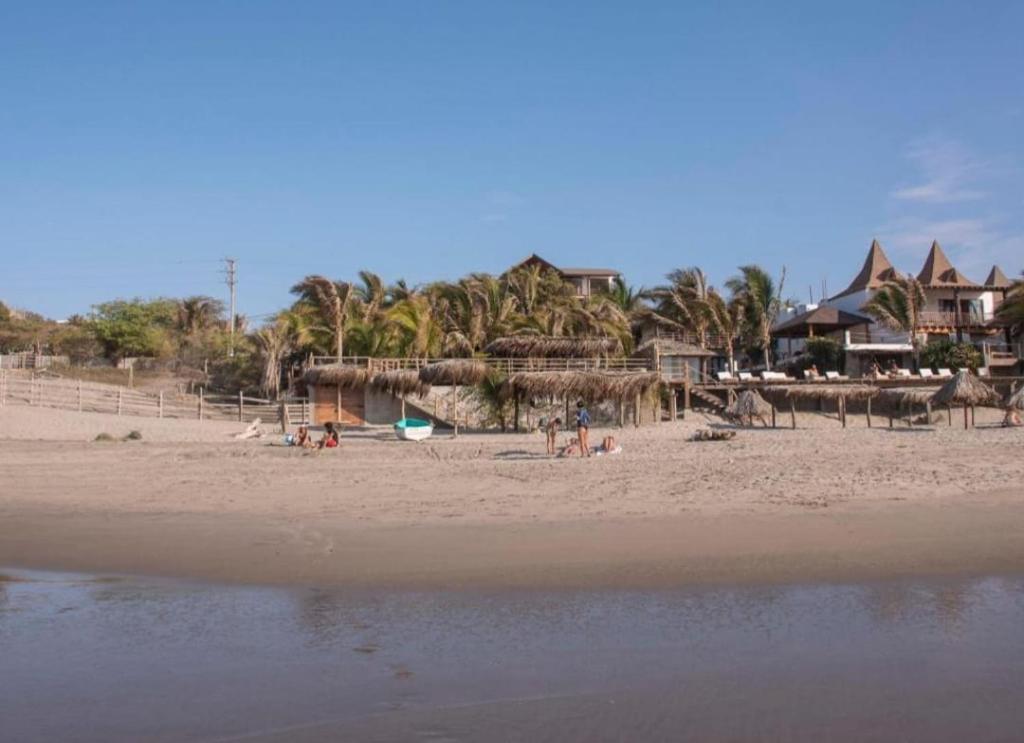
x,y
771,376
926,374
943,373
724,376
834,376
983,371
904,373
745,376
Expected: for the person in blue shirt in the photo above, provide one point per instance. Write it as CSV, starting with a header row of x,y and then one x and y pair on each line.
x,y
583,428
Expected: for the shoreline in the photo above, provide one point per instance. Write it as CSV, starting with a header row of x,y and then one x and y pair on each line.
x,y
849,544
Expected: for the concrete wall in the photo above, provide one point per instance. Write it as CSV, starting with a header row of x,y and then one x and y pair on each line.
x,y
382,408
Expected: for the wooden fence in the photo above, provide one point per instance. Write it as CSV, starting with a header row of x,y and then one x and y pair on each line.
x,y
30,361
71,394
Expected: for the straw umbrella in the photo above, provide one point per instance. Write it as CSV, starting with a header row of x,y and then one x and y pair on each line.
x,y
749,404
455,372
967,390
400,383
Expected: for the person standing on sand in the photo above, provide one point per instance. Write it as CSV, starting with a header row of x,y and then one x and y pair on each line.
x,y
552,431
583,428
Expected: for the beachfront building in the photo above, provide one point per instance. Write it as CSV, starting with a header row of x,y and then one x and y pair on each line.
x,y
956,308
586,281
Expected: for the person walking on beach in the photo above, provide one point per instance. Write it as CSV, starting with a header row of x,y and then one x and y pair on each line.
x,y
552,431
583,428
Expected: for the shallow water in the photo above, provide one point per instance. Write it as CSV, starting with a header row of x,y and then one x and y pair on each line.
x,y
110,659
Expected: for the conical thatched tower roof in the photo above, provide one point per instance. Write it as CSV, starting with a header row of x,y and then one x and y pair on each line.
x,y
1016,400
750,404
938,272
965,389
875,272
401,382
462,372
996,278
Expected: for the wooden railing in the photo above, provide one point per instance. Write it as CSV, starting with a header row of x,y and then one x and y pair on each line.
x,y
71,394
507,366
30,361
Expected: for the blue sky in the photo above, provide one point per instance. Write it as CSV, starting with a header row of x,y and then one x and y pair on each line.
x,y
142,141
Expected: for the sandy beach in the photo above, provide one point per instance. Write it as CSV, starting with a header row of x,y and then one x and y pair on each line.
x,y
817,503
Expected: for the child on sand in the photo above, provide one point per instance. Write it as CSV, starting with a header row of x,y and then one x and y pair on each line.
x,y
552,428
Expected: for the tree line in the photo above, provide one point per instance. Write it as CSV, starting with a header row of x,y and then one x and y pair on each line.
x,y
370,317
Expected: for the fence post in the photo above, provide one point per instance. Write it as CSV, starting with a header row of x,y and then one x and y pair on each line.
x,y
79,395
241,405
200,403
160,405
119,401
32,388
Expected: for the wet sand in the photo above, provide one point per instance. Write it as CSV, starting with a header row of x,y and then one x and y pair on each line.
x,y
104,658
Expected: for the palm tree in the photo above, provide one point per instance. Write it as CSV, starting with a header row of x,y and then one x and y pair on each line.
x,y
760,299
198,313
273,344
683,304
628,298
1011,310
371,294
726,319
332,300
898,305
419,334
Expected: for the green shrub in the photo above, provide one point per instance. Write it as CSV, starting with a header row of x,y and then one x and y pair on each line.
x,y
950,355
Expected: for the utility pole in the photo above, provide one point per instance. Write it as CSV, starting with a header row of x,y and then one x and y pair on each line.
x,y
231,281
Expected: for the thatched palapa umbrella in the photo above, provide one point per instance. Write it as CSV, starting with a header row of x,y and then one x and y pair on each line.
x,y
838,392
749,404
967,390
593,386
456,373
401,383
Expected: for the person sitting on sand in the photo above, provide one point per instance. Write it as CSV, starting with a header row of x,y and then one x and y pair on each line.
x,y
551,428
302,438
330,438
1012,419
583,428
608,444
570,449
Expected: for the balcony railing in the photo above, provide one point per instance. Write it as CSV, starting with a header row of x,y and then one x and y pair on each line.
x,y
954,320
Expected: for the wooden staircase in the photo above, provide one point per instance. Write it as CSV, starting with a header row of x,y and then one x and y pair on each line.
x,y
709,399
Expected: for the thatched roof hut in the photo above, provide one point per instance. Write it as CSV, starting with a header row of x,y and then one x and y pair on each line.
x,y
545,346
965,389
830,391
908,395
586,385
1016,400
400,382
749,404
338,375
459,372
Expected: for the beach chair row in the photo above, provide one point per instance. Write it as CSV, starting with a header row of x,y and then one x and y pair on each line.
x,y
834,376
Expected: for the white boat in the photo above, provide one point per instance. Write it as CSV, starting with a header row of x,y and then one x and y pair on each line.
x,y
413,429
